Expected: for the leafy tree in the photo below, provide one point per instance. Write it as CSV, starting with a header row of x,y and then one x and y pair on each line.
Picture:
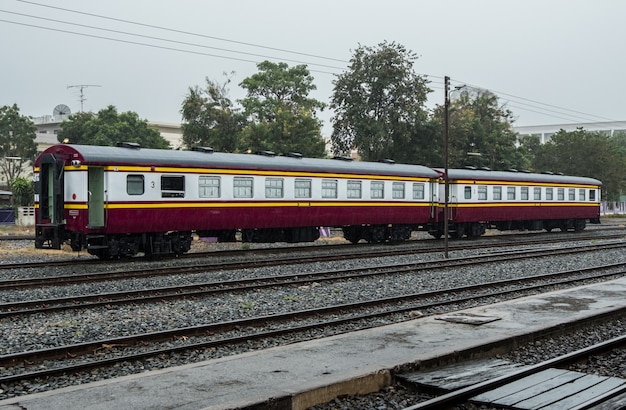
x,y
379,104
281,116
480,132
107,127
17,142
23,191
585,153
211,119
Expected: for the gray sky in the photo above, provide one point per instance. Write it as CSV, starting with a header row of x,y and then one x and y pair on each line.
x,y
542,57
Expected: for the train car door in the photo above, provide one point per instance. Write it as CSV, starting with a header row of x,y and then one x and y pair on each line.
x,y
50,213
95,187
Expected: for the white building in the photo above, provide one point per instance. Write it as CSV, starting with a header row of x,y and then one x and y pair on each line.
x,y
545,132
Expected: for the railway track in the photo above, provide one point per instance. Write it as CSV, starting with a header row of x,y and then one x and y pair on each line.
x,y
254,259
344,251
83,357
10,309
480,391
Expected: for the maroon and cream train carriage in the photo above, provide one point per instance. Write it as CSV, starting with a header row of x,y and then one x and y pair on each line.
x,y
118,201
506,200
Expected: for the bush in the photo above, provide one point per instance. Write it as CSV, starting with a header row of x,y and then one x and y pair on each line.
x,y
23,192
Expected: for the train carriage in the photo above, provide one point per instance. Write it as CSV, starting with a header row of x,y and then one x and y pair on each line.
x,y
506,200
117,201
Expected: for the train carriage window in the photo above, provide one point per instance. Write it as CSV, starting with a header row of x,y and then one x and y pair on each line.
x,y
135,185
209,186
397,190
571,194
510,193
377,190
329,188
482,193
173,186
354,189
537,193
418,190
497,193
581,194
592,194
560,194
524,193
242,187
549,194
303,188
467,192
274,188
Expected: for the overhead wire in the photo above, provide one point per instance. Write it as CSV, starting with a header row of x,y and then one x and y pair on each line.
x,y
562,113
155,38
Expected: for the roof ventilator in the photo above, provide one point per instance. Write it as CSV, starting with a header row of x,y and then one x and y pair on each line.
x,y
340,158
266,153
207,150
133,145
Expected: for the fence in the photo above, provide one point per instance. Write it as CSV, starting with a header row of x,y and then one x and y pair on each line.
x,y
7,216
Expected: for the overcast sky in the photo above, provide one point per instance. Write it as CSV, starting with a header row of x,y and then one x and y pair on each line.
x,y
551,61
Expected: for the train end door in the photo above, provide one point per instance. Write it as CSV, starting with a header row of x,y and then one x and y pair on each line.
x,y
50,218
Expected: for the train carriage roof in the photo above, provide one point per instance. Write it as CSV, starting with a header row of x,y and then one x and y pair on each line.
x,y
516,176
99,155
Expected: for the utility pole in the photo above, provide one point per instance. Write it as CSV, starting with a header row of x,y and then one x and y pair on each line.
x,y
446,118
82,95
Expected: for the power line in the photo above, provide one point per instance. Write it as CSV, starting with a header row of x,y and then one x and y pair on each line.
x,y
164,39
141,44
182,32
548,112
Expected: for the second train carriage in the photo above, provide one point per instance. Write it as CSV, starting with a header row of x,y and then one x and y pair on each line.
x,y
117,201
512,200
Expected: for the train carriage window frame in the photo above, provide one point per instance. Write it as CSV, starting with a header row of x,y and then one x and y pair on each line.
x,y
560,194
467,192
329,188
377,190
581,194
549,194
482,193
397,190
135,184
524,193
354,189
302,188
537,193
418,190
209,186
571,194
497,193
274,187
243,187
172,186
510,193
592,195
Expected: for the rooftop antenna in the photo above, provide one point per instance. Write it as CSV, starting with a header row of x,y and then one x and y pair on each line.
x,y
82,95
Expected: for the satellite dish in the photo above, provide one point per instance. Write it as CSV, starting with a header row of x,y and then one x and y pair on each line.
x,y
61,109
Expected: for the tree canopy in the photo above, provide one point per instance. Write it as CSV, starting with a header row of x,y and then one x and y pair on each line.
x,y
17,142
584,153
379,104
107,127
281,115
480,132
276,115
211,119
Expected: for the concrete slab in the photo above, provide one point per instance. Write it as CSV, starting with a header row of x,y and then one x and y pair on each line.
x,y
303,374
